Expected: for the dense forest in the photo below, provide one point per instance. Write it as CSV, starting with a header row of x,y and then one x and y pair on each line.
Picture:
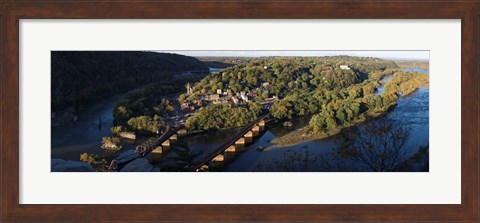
x,y
223,116
80,77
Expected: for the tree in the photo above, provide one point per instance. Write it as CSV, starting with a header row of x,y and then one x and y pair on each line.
x,y
146,125
340,115
116,129
111,143
88,158
281,109
121,113
265,94
219,85
374,102
331,123
169,108
254,107
182,98
379,144
317,122
223,116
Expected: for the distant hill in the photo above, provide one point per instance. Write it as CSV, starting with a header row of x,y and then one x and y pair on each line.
x,y
80,77
224,62
413,64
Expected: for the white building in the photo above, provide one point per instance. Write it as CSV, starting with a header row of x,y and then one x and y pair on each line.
x,y
244,98
235,100
344,67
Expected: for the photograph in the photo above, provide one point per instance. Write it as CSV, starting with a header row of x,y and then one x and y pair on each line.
x,y
240,111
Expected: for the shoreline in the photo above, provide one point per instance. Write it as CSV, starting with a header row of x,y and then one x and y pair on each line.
x,y
305,134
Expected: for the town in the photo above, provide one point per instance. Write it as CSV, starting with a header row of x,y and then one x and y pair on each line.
x,y
224,96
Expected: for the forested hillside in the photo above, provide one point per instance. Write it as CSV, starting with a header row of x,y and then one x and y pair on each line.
x,y
83,76
339,87
413,64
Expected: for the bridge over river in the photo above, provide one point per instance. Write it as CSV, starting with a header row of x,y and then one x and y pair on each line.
x,y
157,147
227,151
160,145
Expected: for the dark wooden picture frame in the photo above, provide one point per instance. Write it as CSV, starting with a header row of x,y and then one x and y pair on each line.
x,y
12,11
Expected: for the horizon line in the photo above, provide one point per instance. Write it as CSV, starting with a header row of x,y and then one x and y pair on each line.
x,y
383,54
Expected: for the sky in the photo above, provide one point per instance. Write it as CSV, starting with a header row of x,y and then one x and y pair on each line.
x,y
397,55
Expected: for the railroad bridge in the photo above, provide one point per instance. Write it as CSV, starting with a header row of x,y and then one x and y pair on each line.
x,y
228,150
158,146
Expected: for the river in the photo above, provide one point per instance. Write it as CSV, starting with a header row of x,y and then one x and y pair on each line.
x,y
85,135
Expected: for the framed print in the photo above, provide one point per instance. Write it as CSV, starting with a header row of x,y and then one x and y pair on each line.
x,y
239,111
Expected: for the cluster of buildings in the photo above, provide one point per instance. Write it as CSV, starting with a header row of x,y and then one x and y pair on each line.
x,y
223,96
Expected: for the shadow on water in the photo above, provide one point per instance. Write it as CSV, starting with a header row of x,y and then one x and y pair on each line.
x,y
84,135
94,122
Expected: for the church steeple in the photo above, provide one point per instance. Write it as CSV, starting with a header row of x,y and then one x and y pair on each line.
x,y
189,88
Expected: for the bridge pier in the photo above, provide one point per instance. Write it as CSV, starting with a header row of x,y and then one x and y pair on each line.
x,y
256,130
157,154
261,124
182,132
166,144
248,137
161,144
173,138
240,144
203,168
230,153
217,162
